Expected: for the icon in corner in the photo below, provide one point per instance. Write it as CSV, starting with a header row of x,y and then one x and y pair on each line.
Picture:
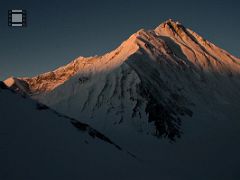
x,y
17,18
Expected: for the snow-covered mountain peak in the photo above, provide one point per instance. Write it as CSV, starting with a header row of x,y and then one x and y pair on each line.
x,y
170,41
161,70
171,22
170,25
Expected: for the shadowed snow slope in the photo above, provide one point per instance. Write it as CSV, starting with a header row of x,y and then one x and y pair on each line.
x,y
39,143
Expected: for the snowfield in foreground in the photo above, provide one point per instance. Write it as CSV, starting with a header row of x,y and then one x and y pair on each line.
x,y
38,143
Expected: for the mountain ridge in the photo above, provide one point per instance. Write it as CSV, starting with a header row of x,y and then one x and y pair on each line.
x,y
137,40
150,83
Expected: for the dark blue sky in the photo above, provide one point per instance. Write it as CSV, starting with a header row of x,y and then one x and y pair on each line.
x,y
60,30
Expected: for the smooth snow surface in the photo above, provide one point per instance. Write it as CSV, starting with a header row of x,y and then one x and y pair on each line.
x,y
38,143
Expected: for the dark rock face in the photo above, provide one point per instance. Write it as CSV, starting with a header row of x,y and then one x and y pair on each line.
x,y
92,132
165,123
165,114
166,105
83,79
20,86
81,126
2,85
41,106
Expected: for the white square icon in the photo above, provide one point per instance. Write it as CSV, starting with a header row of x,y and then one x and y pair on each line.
x,y
17,18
